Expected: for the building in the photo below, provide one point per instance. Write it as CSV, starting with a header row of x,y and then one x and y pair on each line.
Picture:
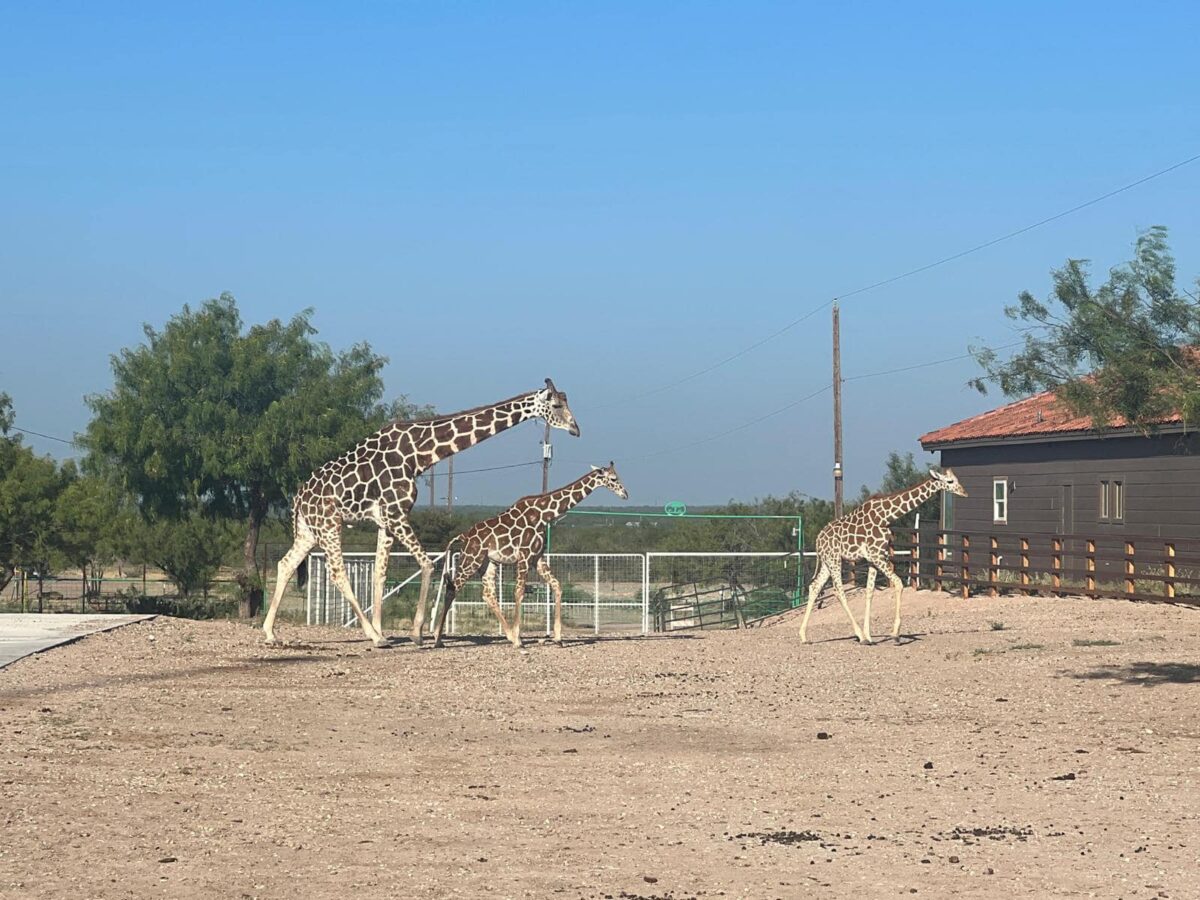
x,y
1033,467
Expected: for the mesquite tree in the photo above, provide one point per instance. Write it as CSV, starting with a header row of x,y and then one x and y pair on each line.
x,y
207,417
1125,349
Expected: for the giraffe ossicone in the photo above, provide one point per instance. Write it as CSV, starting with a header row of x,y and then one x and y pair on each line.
x,y
376,481
863,533
516,536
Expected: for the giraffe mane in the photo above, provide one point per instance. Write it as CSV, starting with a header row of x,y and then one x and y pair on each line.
x,y
445,417
561,487
896,493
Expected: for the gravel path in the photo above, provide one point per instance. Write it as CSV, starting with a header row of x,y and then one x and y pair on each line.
x,y
1006,748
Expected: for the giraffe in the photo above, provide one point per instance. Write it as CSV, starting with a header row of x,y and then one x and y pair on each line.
x,y
517,535
376,481
863,534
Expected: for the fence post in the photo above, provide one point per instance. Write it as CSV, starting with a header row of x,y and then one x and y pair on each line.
x,y
1130,587
1056,546
1170,570
914,561
941,558
1025,563
646,594
965,570
993,571
596,598
1091,565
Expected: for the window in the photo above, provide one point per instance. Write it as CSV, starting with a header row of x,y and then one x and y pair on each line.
x,y
1000,501
1112,501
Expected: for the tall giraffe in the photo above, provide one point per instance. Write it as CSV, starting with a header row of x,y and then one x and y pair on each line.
x,y
863,534
517,535
376,481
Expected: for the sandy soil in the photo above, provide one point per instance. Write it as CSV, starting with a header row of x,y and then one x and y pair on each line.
x,y
185,759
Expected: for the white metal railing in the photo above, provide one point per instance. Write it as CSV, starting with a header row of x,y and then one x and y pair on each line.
x,y
601,592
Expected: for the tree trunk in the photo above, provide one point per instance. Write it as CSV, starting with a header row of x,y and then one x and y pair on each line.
x,y
249,581
6,575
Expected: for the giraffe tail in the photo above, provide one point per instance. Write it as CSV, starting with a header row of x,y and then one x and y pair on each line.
x,y
302,569
447,569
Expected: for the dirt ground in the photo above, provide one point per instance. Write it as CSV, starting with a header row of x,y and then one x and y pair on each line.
x,y
1006,747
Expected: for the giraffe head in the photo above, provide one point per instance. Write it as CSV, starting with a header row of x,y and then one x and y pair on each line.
x,y
551,404
611,480
948,481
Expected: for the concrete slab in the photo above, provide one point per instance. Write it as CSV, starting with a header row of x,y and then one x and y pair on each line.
x,y
24,634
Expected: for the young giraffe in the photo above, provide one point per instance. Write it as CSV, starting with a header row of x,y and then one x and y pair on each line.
x,y
517,535
377,481
863,534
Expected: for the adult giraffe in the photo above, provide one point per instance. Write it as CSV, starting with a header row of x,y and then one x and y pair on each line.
x,y
863,533
376,481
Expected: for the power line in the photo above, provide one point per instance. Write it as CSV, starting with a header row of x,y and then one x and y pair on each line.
x,y
50,437
907,274
817,393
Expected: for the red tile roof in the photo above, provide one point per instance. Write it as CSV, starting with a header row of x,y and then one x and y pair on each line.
x,y
1036,415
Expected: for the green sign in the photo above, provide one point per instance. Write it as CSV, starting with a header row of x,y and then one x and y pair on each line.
x,y
675,508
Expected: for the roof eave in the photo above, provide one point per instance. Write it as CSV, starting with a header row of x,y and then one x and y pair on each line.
x,y
1047,437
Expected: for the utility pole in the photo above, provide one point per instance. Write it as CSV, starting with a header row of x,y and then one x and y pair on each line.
x,y
547,452
837,413
432,488
450,488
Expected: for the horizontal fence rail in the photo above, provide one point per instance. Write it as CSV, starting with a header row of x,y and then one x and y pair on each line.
x,y
1122,566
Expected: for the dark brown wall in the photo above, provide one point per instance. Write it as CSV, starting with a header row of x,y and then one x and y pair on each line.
x,y
1161,476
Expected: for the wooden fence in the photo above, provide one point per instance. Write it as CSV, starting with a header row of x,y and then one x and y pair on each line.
x,y
1124,566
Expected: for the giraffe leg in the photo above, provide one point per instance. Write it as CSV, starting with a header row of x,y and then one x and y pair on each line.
x,y
469,561
866,625
818,582
889,572
291,560
404,531
518,596
840,589
332,544
543,568
383,549
490,595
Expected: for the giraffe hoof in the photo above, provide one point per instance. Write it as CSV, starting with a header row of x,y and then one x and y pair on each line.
x,y
272,641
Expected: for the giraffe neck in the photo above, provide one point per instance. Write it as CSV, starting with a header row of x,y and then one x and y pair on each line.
x,y
558,502
898,504
442,436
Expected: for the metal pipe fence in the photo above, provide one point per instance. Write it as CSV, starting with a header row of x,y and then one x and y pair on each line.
x,y
602,592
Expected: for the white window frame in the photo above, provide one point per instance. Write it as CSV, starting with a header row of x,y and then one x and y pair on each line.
x,y
1116,506
1104,505
1000,503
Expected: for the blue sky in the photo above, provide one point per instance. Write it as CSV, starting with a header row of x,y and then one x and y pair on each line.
x,y
615,195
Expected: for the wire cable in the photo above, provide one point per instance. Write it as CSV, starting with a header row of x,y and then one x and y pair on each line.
x,y
907,274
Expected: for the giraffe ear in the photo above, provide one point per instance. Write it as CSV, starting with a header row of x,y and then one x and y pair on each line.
x,y
595,468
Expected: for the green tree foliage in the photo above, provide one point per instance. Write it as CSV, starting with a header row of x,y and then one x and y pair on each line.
x,y
189,548
901,473
89,520
1123,349
209,418
29,488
